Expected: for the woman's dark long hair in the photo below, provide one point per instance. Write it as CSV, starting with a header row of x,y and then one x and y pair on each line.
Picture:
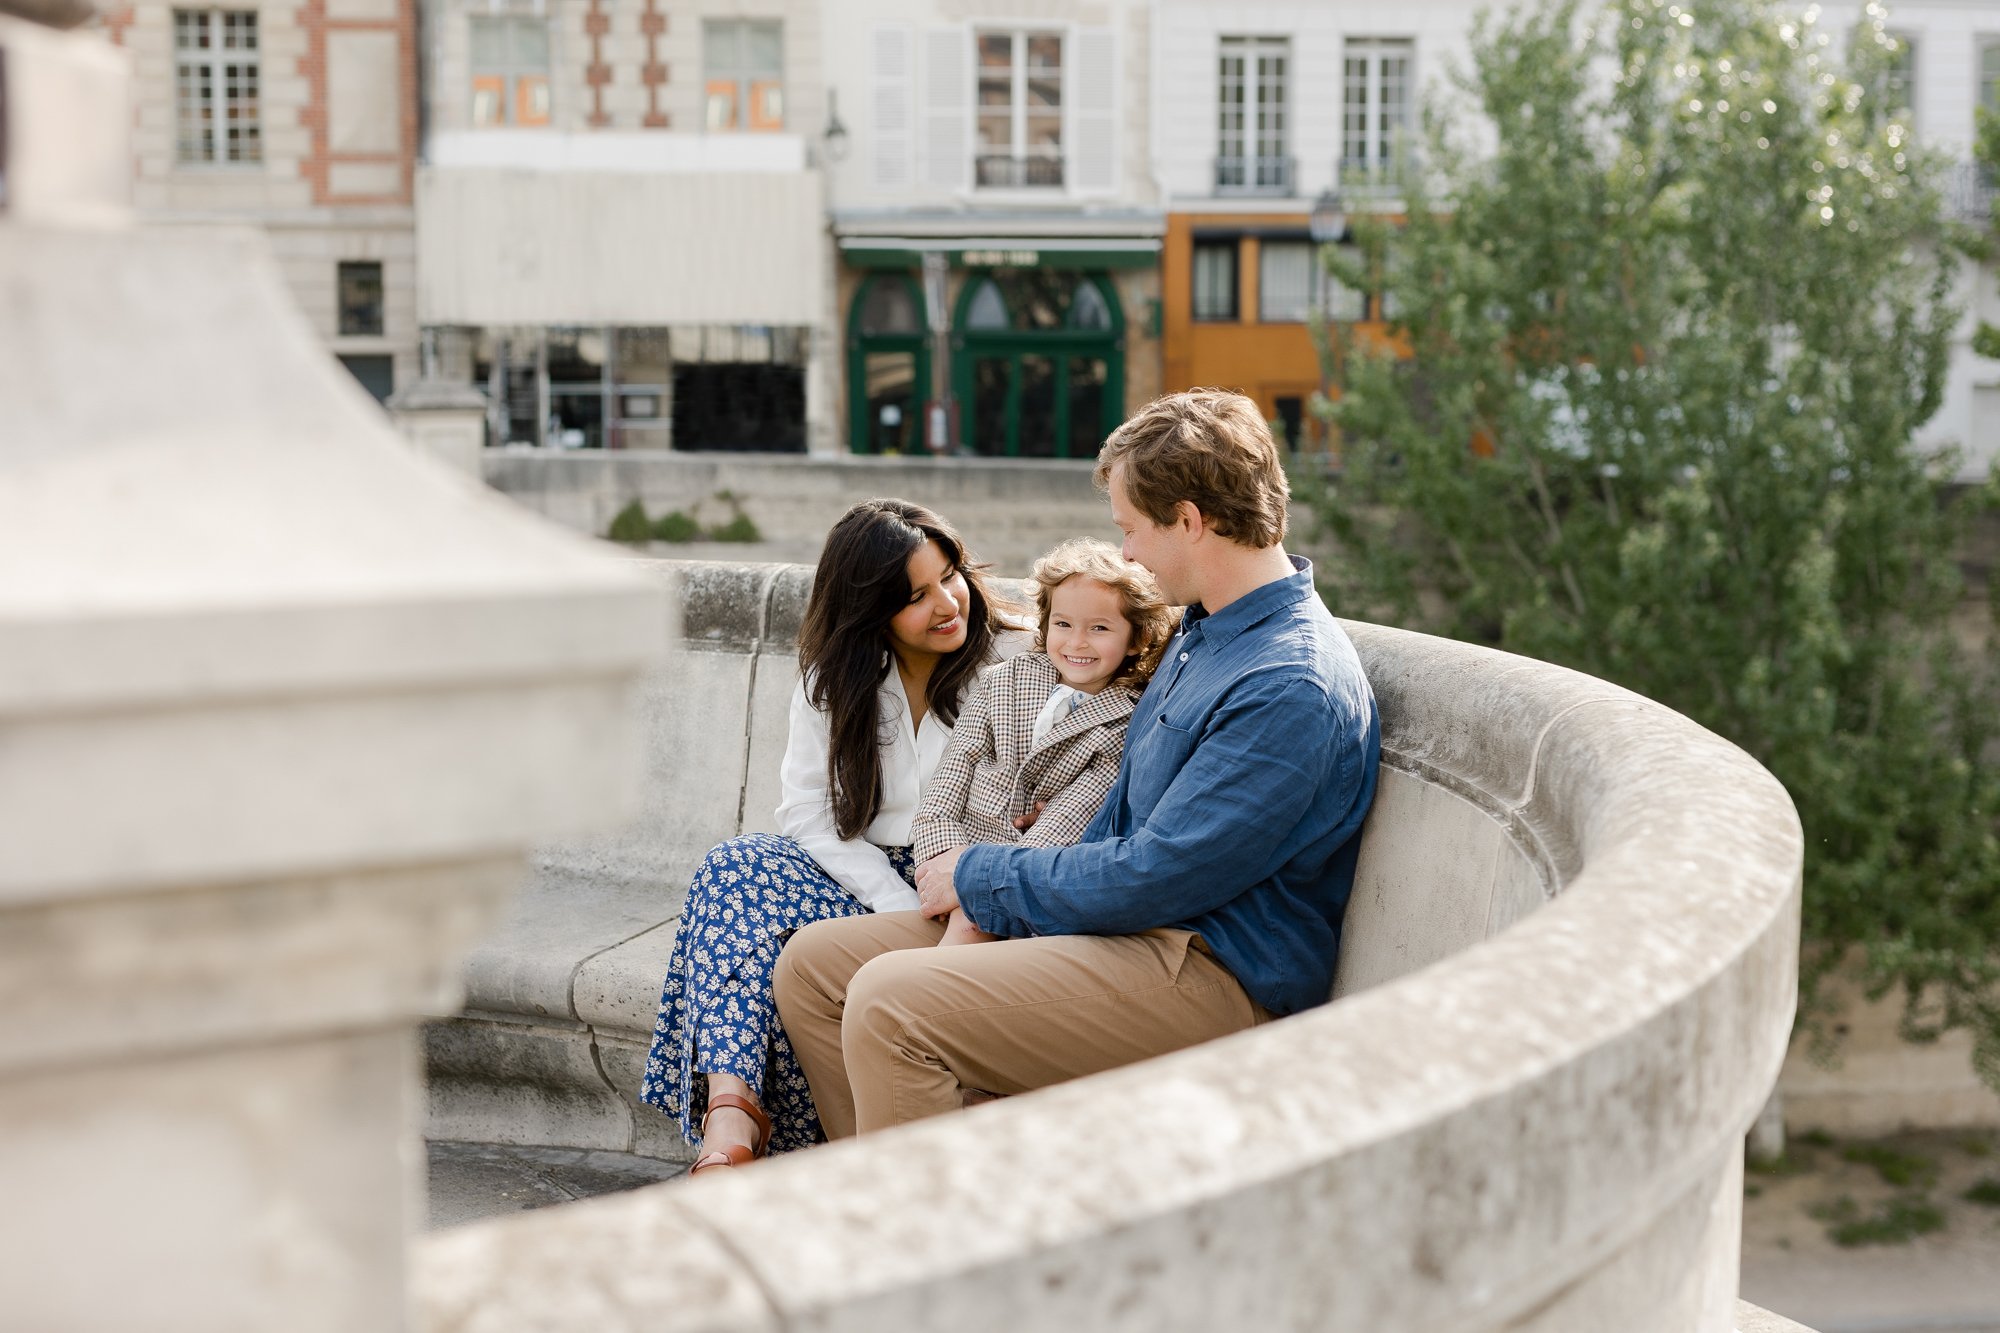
x,y
862,582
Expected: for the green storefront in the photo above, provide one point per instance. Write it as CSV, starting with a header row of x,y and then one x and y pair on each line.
x,y
1037,346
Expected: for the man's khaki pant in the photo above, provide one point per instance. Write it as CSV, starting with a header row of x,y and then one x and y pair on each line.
x,y
890,1029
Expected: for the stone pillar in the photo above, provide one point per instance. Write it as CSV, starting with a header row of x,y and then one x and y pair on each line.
x,y
445,420
280,708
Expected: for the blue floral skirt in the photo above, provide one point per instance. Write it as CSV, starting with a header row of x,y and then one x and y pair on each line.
x,y
716,1011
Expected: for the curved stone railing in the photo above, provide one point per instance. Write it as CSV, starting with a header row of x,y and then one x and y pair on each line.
x,y
1543,1132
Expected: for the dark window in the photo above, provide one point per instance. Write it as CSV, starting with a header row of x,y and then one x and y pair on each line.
x,y
376,373
1215,280
1292,418
360,299
740,406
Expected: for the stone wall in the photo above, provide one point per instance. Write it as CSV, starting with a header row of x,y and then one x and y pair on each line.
x,y
1544,1133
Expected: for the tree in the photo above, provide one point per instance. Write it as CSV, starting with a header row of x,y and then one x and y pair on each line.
x,y
1671,303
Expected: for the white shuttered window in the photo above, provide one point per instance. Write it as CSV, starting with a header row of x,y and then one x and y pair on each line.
x,y
893,84
945,145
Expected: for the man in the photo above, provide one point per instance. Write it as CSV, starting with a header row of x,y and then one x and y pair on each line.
x,y
1207,894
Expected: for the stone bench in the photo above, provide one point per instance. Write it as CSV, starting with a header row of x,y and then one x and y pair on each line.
x,y
1543,1133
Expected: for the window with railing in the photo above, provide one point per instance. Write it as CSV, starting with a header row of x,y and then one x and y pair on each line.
x,y
218,114
1252,115
510,70
1375,107
1020,110
746,74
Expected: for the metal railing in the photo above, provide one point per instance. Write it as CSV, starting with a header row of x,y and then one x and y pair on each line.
x,y
1255,175
1006,172
1969,191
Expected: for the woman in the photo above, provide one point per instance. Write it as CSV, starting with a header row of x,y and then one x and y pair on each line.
x,y
898,625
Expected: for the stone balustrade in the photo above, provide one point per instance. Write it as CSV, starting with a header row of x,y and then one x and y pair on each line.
x,y
1564,993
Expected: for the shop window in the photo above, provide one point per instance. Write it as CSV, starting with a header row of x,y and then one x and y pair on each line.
x,y
218,110
888,366
987,310
1287,281
745,70
1215,280
510,70
1088,308
740,406
1019,114
890,307
360,286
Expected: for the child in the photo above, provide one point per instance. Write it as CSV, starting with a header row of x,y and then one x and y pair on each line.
x,y
1046,728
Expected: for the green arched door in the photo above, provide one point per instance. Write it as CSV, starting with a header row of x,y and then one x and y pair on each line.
x,y
888,366
1038,365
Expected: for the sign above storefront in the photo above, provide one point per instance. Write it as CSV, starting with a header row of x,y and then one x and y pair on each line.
x,y
1066,253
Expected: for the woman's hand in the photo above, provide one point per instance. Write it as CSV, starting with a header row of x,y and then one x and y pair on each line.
x,y
1027,821
937,895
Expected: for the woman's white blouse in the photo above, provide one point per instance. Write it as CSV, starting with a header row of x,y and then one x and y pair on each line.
x,y
805,804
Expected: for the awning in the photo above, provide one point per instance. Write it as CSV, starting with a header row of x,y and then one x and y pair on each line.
x,y
505,246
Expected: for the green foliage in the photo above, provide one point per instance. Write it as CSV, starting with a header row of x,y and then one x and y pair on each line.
x,y
630,524
1894,1221
676,526
1663,349
1980,244
1985,1191
1895,1166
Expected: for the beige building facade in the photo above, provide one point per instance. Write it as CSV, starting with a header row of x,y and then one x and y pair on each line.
x,y
299,119
620,221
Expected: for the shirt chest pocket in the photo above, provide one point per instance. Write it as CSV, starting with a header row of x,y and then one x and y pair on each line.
x,y
992,794
1157,749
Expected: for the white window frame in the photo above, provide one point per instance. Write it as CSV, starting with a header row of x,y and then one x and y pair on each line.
x,y
1908,46
1254,52
739,72
1378,138
1018,103
209,79
511,71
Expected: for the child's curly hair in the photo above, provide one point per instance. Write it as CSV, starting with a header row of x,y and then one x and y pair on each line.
x,y
1152,620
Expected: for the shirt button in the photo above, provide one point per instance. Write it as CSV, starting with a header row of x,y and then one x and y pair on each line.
x,y
1183,657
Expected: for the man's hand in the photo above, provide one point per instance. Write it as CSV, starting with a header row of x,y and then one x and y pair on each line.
x,y
1027,821
937,895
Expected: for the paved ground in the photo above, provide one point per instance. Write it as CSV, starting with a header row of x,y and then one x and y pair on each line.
x,y
470,1181
1948,1279
1945,1281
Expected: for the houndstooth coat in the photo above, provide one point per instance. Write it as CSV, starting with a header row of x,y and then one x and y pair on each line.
x,y
989,777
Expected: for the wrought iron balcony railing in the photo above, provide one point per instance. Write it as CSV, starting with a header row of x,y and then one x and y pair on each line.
x,y
1969,191
1255,175
1006,172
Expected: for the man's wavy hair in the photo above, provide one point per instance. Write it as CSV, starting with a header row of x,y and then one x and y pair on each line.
x,y
1210,447
861,583
1139,601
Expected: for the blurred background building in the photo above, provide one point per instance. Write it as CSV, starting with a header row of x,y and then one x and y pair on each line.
x,y
877,226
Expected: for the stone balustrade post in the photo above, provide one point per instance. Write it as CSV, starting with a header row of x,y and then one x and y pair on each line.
x,y
281,705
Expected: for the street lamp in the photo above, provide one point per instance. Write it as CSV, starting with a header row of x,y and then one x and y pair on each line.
x,y
835,133
1329,218
1328,225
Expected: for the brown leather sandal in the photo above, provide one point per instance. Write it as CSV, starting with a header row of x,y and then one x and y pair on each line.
x,y
735,1154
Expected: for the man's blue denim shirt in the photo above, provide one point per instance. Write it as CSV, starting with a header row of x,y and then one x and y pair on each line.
x,y
1249,765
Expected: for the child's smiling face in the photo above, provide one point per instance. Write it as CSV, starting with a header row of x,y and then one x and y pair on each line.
x,y
1088,636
